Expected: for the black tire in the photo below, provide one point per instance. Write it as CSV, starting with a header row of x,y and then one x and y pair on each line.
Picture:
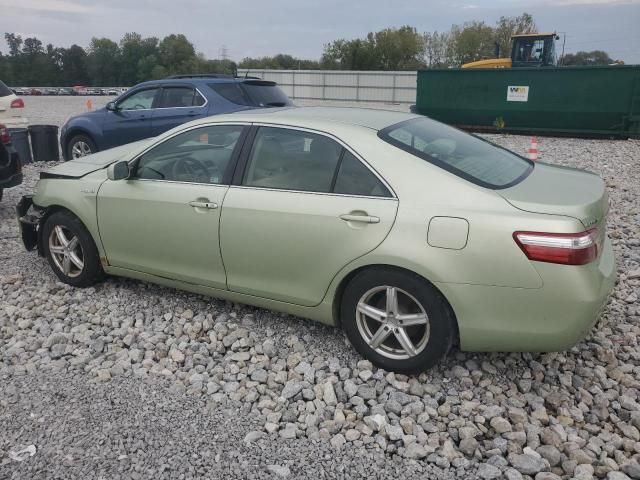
x,y
436,337
86,139
91,271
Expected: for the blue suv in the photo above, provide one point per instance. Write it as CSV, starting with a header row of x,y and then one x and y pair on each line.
x,y
151,108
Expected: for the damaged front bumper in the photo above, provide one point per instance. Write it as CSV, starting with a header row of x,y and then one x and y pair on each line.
x,y
29,220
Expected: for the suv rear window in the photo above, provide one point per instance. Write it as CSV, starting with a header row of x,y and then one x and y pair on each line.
x,y
464,155
4,90
252,93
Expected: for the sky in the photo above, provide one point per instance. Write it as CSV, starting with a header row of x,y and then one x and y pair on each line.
x,y
253,28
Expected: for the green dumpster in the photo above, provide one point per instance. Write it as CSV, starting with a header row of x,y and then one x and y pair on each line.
x,y
578,101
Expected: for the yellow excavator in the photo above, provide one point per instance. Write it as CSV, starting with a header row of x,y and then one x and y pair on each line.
x,y
527,50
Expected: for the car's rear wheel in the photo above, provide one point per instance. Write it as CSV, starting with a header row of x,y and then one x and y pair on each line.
x,y
397,320
80,146
70,250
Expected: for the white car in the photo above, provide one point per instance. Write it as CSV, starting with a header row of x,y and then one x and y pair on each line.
x,y
11,108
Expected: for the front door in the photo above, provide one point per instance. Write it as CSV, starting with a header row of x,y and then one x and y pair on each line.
x,y
164,220
131,121
177,105
306,206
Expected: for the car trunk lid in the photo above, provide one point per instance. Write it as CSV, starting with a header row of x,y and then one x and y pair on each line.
x,y
557,190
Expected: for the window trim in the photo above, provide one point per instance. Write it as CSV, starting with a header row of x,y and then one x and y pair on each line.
x,y
383,135
228,173
245,156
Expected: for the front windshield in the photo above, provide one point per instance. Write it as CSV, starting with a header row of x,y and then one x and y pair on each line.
x,y
465,155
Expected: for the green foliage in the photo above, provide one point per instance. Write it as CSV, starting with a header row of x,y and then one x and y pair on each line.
x,y
279,62
104,63
499,123
389,49
595,57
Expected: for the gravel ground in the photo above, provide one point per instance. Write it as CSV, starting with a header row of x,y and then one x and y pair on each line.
x,y
133,380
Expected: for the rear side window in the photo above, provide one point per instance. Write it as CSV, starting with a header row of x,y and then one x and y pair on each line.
x,y
292,160
252,93
4,90
173,97
467,156
356,179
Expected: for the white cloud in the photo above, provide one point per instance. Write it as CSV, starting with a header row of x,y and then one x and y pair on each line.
x,y
61,6
565,3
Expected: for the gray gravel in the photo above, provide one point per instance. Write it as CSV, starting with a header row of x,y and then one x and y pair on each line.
x,y
132,380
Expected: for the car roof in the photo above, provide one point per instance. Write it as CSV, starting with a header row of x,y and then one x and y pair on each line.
x,y
195,80
312,117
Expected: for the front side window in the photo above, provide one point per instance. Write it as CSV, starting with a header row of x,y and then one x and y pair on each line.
x,y
462,154
201,155
175,97
139,101
292,160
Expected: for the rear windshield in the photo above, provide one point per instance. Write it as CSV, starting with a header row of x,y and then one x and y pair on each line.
x,y
4,90
252,93
467,156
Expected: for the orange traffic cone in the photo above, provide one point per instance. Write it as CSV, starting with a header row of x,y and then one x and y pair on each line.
x,y
89,104
533,149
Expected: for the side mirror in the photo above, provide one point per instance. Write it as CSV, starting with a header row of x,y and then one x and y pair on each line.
x,y
118,170
112,107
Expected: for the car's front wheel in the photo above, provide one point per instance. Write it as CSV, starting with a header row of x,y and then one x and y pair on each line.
x,y
80,146
397,320
70,250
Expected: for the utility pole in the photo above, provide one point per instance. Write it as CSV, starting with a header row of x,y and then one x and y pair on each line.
x,y
223,53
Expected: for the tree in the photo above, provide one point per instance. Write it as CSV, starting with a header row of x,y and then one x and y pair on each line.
x,y
133,49
103,62
595,57
473,41
74,66
506,27
176,53
398,49
437,51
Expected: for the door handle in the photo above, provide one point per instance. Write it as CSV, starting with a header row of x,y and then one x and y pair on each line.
x,y
349,217
209,205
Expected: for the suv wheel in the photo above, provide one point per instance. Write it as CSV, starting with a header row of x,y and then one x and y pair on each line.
x,y
80,146
397,320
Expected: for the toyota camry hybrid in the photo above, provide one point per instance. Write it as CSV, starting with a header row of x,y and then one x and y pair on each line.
x,y
410,235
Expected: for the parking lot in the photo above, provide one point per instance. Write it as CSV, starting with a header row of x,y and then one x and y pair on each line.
x,y
132,380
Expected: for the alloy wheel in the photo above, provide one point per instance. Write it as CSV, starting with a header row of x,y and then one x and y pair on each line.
x,y
392,322
80,149
66,251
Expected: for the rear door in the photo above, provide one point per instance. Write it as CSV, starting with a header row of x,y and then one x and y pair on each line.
x,y
177,104
302,206
131,120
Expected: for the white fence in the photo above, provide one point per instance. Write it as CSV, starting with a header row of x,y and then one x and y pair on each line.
x,y
343,85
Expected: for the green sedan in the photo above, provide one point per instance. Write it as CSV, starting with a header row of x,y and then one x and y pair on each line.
x,y
410,235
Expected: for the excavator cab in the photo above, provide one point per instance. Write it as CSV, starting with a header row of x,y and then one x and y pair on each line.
x,y
527,50
533,50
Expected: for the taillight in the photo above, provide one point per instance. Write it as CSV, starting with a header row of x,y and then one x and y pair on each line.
x,y
17,103
5,139
564,248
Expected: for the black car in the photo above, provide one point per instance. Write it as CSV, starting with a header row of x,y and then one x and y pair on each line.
x,y
10,166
